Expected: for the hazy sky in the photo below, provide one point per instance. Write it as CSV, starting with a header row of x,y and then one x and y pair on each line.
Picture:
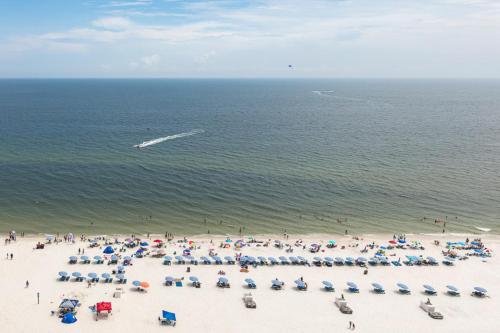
x,y
240,38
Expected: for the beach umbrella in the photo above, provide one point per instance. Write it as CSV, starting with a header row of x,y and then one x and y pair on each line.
x,y
136,283
68,304
108,250
120,268
193,279
402,286
145,284
114,257
76,274
49,237
120,276
317,259
328,284
480,290
73,258
97,258
84,258
139,251
249,281
352,285
329,259
452,288
158,241
377,286
428,287
92,275
169,279
223,280
106,275
277,282
69,318
392,242
361,259
127,258
144,243
63,274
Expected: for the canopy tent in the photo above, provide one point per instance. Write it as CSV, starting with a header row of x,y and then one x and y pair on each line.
x,y
69,318
68,303
103,306
169,315
108,250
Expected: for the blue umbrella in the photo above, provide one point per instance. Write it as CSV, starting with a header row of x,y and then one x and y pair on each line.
x,y
120,276
361,259
108,250
317,259
452,288
352,285
92,275
249,281
127,258
329,259
76,274
169,315
277,282
73,258
223,280
167,258
136,283
403,286
106,275
377,286
63,274
428,287
193,279
69,318
480,290
299,283
169,279
97,258
115,258
229,258
328,284
139,251
84,258
144,244
120,268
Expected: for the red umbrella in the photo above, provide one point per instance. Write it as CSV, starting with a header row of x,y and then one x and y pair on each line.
x,y
158,241
393,241
103,306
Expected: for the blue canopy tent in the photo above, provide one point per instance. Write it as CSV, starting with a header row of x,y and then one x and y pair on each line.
x,y
168,318
378,288
353,288
328,286
108,250
69,318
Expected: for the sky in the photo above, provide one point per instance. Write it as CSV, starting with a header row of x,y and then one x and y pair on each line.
x,y
242,38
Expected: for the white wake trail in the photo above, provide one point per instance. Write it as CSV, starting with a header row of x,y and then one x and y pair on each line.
x,y
166,138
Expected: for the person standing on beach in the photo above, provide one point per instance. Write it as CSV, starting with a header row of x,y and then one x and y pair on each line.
x,y
350,324
11,256
27,283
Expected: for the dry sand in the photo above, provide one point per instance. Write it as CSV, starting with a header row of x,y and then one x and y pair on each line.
x,y
211,309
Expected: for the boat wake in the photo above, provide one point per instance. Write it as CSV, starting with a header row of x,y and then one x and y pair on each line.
x,y
482,229
166,138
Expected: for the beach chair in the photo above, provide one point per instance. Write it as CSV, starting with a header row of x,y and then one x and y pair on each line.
x,y
180,260
262,261
73,260
352,287
195,281
249,301
98,260
378,288
167,318
328,286
361,261
349,261
373,261
302,260
178,283
217,260
317,261
403,289
85,260
251,283
121,279
339,261
205,261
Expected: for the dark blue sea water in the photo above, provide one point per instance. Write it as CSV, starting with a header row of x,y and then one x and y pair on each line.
x,y
299,155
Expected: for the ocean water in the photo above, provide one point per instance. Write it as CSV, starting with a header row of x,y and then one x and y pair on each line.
x,y
267,156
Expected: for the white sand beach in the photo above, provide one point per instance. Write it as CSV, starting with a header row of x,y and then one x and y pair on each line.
x,y
213,309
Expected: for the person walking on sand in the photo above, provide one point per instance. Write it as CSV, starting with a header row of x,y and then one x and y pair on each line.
x,y
350,324
11,256
353,326
27,283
